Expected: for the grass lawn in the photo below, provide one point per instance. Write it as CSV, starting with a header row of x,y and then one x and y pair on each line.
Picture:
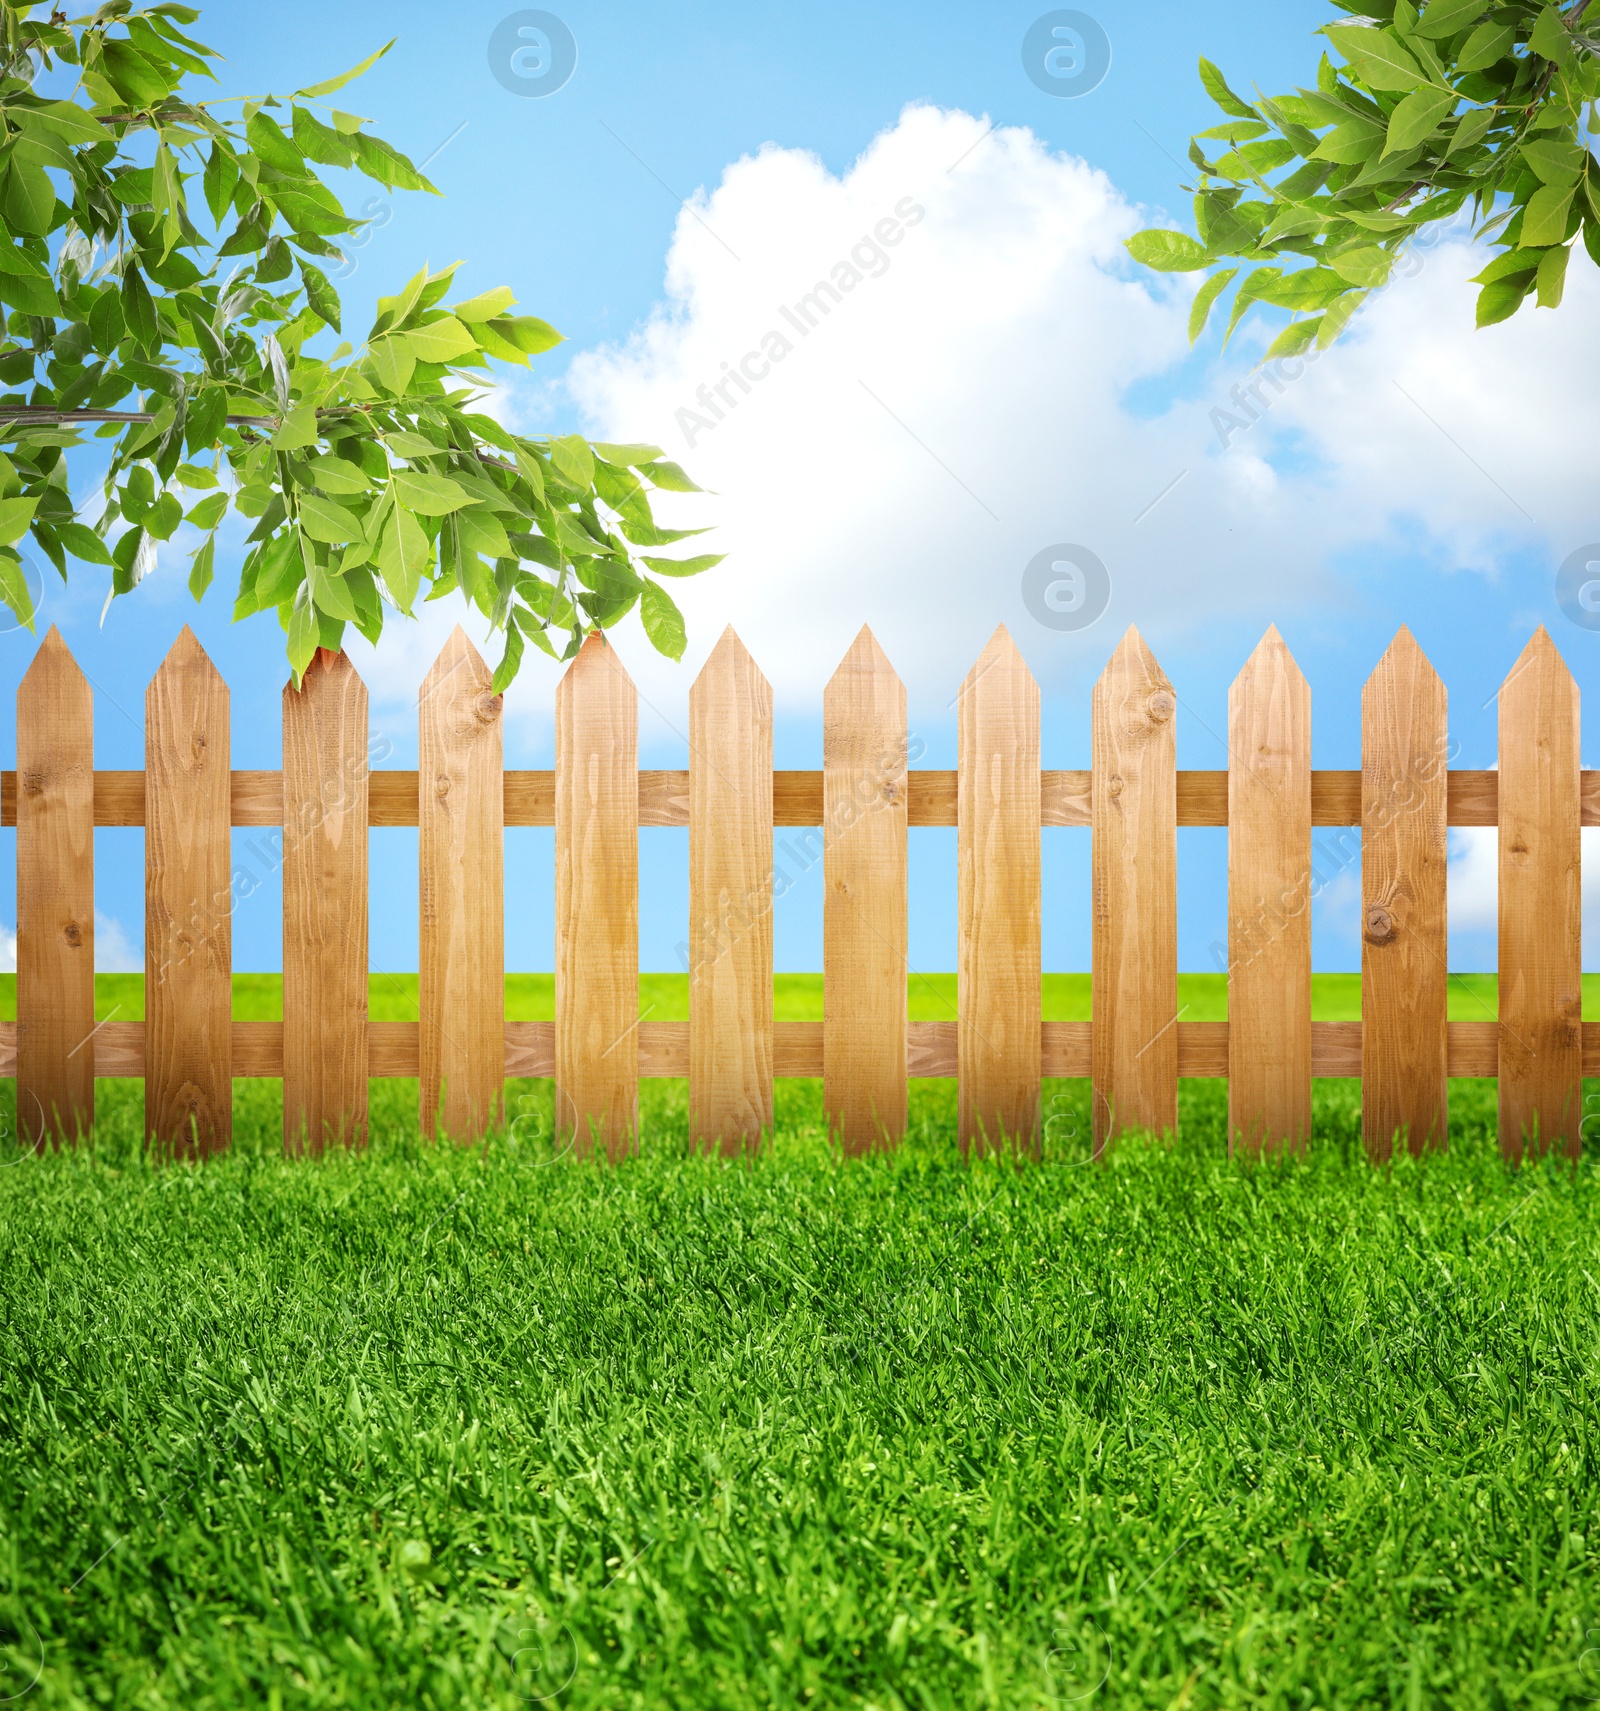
x,y
484,1427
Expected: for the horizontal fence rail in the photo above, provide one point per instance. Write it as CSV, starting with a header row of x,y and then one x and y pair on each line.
x,y
1473,798
1133,798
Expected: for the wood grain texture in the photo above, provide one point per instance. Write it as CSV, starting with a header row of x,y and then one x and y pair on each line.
x,y
1404,944
461,870
998,958
1134,865
55,898
597,903
1269,902
1541,907
325,907
797,798
797,1049
730,901
864,900
188,906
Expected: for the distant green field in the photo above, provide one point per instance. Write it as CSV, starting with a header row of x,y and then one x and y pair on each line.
x,y
797,997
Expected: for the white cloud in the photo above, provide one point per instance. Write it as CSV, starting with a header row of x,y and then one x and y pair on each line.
x,y
967,401
8,950
114,951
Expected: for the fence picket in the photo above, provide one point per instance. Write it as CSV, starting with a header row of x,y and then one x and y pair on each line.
x,y
1541,906
188,933
55,897
597,902
999,810
864,901
1134,819
461,872
730,901
325,906
1404,939
1269,902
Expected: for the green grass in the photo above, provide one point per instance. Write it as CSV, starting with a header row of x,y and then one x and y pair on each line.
x,y
797,997
438,1427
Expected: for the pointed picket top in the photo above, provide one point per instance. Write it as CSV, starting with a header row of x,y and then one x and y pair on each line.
x,y
1403,656
52,662
186,654
864,658
1540,651
1134,684
457,654
327,664
729,659
1000,654
1272,650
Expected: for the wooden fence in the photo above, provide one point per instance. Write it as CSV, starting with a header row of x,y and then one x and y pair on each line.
x,y
1135,1048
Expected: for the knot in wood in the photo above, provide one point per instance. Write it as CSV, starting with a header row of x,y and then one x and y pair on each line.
x,y
487,707
1380,924
441,786
73,934
1161,705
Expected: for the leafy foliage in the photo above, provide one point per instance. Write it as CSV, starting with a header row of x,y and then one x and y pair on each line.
x,y
159,278
1463,102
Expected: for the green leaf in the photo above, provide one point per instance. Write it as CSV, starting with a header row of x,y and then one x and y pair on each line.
x,y
1555,160
326,520
1508,264
573,461
1486,46
133,76
209,512
684,566
138,309
533,472
482,532
1337,316
432,495
663,622
1376,57
1216,86
303,633
1550,39
667,475
320,294
392,364
1449,17
16,515
1168,252
28,199
627,456
485,306
1306,288
1200,309
1293,339
1552,276
82,542
1544,221
14,590
1368,265
1501,300
387,166
1353,141
333,85
1471,130
506,670
316,141
338,475
330,595
1417,117
439,341
201,567
403,554
297,430
26,292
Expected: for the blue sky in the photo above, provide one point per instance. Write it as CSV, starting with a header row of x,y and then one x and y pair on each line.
x,y
1010,382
